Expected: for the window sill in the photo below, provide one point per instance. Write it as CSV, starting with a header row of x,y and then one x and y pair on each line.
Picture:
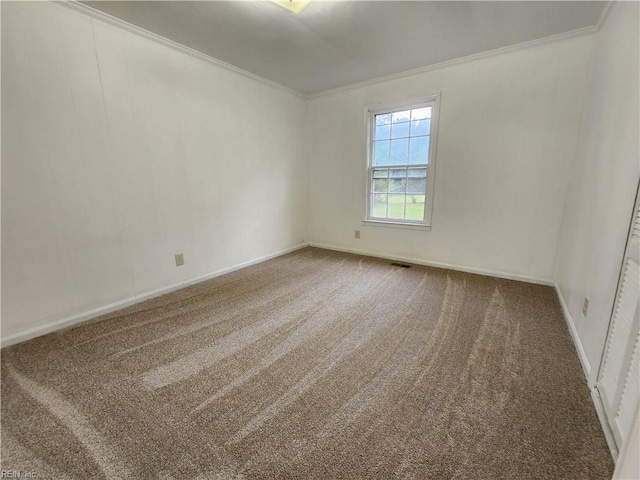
x,y
406,226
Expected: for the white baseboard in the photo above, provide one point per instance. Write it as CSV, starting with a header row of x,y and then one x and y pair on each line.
x,y
448,266
608,434
582,355
96,312
588,373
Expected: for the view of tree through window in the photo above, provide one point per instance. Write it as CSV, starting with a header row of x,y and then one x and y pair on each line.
x,y
399,162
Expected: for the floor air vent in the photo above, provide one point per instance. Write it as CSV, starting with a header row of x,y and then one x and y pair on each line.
x,y
398,264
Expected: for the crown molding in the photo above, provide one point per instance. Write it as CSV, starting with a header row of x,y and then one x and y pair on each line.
x,y
457,61
110,19
114,21
604,14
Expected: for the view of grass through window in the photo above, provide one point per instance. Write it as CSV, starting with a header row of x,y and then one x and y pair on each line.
x,y
400,159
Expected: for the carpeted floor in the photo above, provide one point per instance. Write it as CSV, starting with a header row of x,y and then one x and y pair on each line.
x,y
316,364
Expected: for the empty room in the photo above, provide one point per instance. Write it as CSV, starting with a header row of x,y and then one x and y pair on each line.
x,y
320,239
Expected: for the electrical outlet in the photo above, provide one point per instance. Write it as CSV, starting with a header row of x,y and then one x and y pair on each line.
x,y
585,307
357,233
179,259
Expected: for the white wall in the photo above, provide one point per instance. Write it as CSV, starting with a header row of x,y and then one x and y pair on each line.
x,y
508,129
604,177
118,152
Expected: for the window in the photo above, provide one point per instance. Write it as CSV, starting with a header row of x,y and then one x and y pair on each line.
x,y
400,163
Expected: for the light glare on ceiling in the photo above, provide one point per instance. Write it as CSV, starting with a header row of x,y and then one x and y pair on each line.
x,y
294,6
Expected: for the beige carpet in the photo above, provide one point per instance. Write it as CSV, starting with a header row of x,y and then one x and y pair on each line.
x,y
316,364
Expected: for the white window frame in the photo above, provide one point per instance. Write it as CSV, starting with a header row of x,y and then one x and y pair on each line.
x,y
433,101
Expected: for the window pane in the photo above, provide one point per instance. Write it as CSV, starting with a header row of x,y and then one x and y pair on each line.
x,y
382,132
396,206
381,153
417,185
398,173
420,127
383,119
419,151
397,185
379,205
399,164
400,129
399,151
417,172
380,185
418,113
403,116
415,207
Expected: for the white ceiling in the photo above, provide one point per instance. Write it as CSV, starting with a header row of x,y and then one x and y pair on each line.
x,y
336,43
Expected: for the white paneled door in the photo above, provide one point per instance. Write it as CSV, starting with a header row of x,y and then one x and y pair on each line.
x,y
619,379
